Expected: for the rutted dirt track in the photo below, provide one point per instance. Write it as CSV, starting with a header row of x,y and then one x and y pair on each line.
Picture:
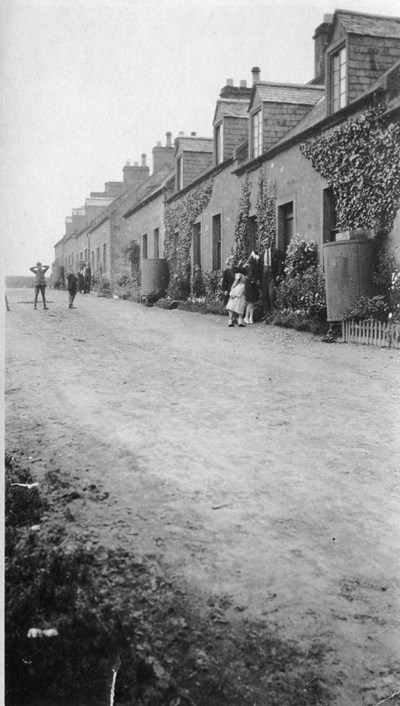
x,y
260,465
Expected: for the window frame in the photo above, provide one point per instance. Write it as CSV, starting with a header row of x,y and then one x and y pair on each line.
x,y
145,247
156,243
219,142
179,172
282,220
196,244
256,133
338,77
216,244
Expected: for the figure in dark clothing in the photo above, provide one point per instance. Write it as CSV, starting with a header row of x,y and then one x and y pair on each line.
x,y
228,278
72,286
270,271
87,273
251,288
39,271
81,281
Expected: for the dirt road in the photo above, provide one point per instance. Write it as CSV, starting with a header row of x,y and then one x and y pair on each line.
x,y
260,465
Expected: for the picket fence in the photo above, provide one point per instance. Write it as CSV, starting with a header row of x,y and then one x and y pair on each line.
x,y
371,333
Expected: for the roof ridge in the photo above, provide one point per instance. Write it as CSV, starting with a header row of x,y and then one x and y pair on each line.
x,y
367,14
289,85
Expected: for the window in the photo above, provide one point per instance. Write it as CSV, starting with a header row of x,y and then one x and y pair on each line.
x,y
86,254
196,244
217,244
144,246
329,216
80,256
219,152
104,257
98,263
92,261
156,243
256,134
338,80
285,225
179,174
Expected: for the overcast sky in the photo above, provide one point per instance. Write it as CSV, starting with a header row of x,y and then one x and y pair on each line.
x,y
88,84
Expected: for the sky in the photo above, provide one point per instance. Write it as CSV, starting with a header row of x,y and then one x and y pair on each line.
x,y
88,84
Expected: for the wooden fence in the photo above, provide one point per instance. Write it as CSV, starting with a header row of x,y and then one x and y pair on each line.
x,y
371,333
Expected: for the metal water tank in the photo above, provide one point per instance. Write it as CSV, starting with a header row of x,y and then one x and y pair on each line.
x,y
349,267
155,276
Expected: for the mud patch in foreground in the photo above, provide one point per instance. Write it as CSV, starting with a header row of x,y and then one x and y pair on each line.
x,y
112,628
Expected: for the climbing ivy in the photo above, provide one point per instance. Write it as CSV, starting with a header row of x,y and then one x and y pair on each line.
x,y
265,211
360,160
180,217
241,250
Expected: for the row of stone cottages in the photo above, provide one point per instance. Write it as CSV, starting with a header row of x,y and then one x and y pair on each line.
x,y
318,160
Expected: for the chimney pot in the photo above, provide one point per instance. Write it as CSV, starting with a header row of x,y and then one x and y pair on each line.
x,y
143,160
243,84
229,81
136,164
158,143
193,134
256,74
168,135
328,18
181,134
128,164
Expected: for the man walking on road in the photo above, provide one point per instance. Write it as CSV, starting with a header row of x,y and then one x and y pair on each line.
x,y
39,271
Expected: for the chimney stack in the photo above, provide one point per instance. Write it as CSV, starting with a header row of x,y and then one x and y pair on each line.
x,y
321,40
135,174
229,81
256,74
163,156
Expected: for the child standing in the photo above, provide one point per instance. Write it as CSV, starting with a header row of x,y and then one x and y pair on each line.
x,y
251,289
237,301
39,271
72,286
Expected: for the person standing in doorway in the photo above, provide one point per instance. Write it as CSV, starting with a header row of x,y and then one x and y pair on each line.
x,y
87,273
270,274
39,271
81,280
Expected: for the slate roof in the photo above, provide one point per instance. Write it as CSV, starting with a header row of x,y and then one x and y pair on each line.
x,y
233,109
288,93
129,198
370,25
148,189
316,114
196,144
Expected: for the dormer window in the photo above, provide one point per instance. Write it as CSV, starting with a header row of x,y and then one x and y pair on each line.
x,y
219,149
256,134
338,79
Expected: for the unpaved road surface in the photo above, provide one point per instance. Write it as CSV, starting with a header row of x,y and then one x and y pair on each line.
x,y
260,465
